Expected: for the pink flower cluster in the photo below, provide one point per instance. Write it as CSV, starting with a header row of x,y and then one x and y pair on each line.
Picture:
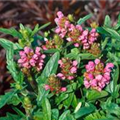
x,y
68,69
29,58
97,76
73,33
62,24
54,84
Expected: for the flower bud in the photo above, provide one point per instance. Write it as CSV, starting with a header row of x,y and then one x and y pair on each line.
x,y
71,18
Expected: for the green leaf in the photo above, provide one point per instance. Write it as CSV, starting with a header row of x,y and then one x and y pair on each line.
x,y
94,95
113,33
63,116
102,31
74,102
96,116
55,114
11,117
5,98
84,111
107,22
14,100
51,66
11,31
38,115
82,20
9,47
37,28
42,93
61,98
46,108
86,56
68,101
112,87
20,113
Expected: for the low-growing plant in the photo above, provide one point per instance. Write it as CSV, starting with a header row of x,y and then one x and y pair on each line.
x,y
69,73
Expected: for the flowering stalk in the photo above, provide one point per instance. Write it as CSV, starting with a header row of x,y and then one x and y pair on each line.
x,y
74,33
68,69
29,58
54,85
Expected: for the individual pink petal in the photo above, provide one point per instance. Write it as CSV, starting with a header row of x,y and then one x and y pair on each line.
x,y
60,75
93,83
99,77
60,14
70,77
79,27
60,62
107,75
35,57
27,50
73,70
85,32
32,62
56,20
76,45
97,61
69,39
86,83
47,87
43,56
20,61
90,76
110,65
57,30
63,89
75,63
101,84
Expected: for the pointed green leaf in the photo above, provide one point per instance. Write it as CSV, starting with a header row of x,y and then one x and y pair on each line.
x,y
5,98
55,114
82,20
107,21
63,116
51,66
46,109
9,47
84,111
94,95
11,31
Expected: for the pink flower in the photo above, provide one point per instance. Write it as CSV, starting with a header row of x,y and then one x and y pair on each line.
x,y
93,83
97,61
76,44
30,58
60,14
68,68
69,39
85,32
75,63
90,76
86,83
27,50
90,66
70,77
101,84
63,89
97,76
47,87
107,75
73,70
